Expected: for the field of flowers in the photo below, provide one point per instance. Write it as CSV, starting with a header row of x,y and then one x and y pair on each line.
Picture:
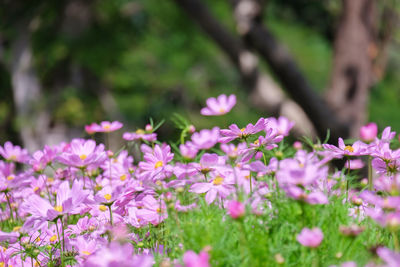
x,y
217,197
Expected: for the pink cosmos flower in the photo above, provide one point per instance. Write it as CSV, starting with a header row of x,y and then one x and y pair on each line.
x,y
14,153
68,201
236,209
310,237
155,165
219,185
82,153
357,149
104,127
369,132
188,150
392,259
205,139
140,135
153,211
9,237
41,158
118,255
191,259
282,125
219,106
234,132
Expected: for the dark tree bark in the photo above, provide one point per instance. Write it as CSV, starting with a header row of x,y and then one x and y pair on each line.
x,y
264,92
355,49
280,61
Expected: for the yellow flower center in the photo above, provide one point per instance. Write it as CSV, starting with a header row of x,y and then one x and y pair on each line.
x,y
158,164
123,177
218,180
13,158
106,127
140,131
16,228
50,179
58,208
256,142
86,252
221,110
2,264
35,189
242,130
247,177
83,157
158,210
102,208
37,239
9,178
107,196
53,238
349,149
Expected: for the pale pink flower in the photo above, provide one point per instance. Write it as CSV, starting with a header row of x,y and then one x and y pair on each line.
x,y
14,153
191,259
310,237
205,139
219,106
104,127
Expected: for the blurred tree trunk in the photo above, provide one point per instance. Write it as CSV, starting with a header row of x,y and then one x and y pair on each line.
x,y
264,92
355,49
31,116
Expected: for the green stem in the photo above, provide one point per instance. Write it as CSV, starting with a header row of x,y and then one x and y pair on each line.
x,y
347,179
370,173
251,189
111,216
9,205
61,247
396,241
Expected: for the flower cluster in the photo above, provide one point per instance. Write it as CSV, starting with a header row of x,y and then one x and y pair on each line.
x,y
78,203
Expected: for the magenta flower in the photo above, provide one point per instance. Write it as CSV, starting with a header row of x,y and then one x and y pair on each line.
x,y
369,132
219,106
310,237
205,139
236,209
14,153
104,127
234,132
191,259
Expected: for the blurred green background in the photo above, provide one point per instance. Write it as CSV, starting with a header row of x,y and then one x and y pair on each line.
x,y
153,61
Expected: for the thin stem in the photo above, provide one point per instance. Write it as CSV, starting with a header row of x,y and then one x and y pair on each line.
x,y
63,236
370,173
9,205
396,241
61,247
347,179
111,216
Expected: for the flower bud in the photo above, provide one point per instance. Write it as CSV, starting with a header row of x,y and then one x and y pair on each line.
x,y
236,209
368,132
